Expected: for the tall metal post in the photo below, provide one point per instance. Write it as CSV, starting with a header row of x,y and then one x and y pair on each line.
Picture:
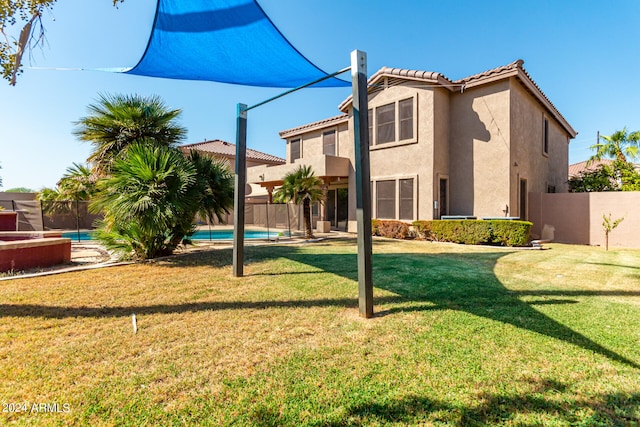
x,y
240,183
363,183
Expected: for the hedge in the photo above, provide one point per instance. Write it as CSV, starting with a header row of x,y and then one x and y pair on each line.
x,y
474,232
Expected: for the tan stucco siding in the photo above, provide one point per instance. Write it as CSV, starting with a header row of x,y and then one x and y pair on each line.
x,y
441,158
479,162
412,159
540,169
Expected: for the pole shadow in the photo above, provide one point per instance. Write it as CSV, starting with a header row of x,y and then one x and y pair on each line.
x,y
459,281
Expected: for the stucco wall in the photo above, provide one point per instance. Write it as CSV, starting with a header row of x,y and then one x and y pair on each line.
x,y
528,161
577,217
479,162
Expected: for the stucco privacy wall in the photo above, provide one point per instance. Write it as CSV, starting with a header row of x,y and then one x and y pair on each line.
x,y
577,217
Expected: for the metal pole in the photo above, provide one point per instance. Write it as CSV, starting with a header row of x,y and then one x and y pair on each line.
x,y
266,206
77,220
363,185
240,182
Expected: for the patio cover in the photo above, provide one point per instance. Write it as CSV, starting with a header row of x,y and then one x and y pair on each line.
x,y
228,41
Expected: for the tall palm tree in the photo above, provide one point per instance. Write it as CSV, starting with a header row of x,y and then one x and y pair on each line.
x,y
116,121
619,145
301,186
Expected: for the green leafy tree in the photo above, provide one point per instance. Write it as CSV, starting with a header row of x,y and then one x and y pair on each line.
x,y
23,30
301,186
118,121
601,178
619,145
151,198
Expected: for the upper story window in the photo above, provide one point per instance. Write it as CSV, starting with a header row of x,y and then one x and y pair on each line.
x,y
405,116
329,143
394,122
386,123
294,149
545,136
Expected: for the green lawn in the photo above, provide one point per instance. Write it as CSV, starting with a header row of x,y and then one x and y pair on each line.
x,y
462,336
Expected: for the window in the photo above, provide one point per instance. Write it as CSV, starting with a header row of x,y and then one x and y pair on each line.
x,y
329,143
386,199
406,199
406,119
394,122
295,150
394,199
545,137
386,123
551,188
370,116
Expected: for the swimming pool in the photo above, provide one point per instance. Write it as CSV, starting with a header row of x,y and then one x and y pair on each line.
x,y
198,235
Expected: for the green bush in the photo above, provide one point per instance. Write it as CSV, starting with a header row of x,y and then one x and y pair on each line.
x,y
511,233
475,232
391,229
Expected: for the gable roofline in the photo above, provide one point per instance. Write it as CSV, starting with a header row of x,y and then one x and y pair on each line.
x,y
514,69
336,120
226,149
429,77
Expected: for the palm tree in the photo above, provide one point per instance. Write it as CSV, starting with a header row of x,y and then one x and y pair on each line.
x,y
152,196
144,200
301,186
215,185
117,121
618,146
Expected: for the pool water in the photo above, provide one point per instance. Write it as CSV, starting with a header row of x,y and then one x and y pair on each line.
x,y
198,235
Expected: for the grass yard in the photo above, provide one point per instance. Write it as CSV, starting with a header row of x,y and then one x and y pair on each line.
x,y
462,336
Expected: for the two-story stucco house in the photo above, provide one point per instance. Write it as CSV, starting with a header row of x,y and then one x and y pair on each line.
x,y
473,147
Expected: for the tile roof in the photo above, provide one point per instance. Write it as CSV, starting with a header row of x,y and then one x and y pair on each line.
x,y
514,69
226,149
321,123
588,166
585,166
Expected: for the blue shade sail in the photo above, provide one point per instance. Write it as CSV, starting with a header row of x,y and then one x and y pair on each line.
x,y
228,41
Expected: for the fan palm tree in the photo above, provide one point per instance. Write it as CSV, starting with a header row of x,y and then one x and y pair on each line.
x,y
145,201
117,121
619,145
214,187
301,186
152,196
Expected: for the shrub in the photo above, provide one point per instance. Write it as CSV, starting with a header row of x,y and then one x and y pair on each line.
x,y
391,229
374,227
510,233
474,232
422,229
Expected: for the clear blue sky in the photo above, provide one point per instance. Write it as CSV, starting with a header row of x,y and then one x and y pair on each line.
x,y
583,54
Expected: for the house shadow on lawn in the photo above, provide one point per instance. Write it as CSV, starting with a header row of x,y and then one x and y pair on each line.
x,y
495,409
455,281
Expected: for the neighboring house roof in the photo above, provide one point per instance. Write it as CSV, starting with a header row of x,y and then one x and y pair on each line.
x,y
514,69
590,166
226,149
310,126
